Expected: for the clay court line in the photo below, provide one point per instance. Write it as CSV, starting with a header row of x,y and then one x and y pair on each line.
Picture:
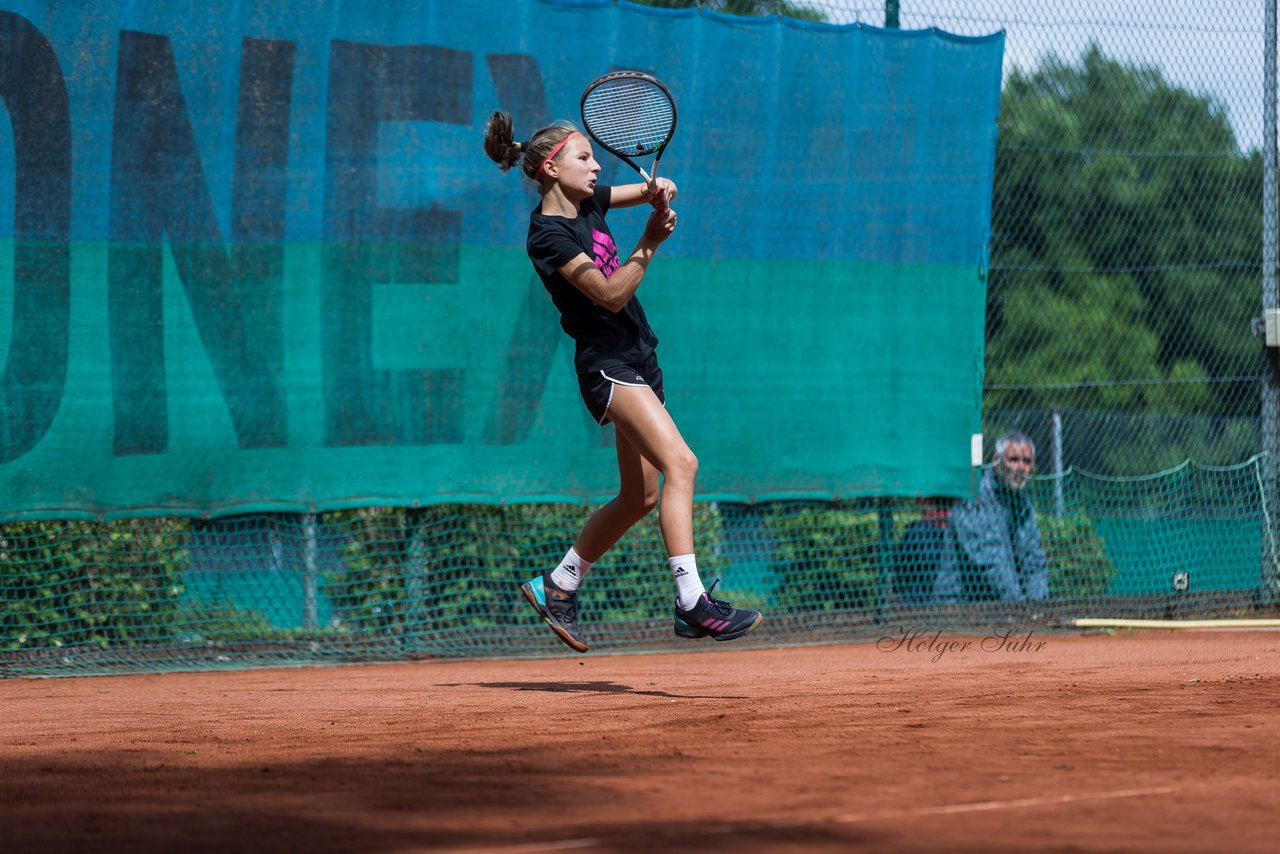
x,y
856,818
985,806
1117,623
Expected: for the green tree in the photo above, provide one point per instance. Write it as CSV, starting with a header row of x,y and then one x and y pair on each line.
x,y
1126,254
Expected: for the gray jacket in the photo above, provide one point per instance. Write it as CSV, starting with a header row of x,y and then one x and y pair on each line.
x,y
998,550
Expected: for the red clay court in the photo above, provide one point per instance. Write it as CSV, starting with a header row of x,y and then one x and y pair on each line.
x,y
1135,741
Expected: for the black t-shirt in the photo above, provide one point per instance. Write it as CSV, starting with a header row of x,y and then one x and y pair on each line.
x,y
603,339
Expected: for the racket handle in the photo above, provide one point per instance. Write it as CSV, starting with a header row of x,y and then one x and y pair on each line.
x,y
645,175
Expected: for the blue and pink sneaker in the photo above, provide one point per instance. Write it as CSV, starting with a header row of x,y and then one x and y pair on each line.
x,y
712,618
559,608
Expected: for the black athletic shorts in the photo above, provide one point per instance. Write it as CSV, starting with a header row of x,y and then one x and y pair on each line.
x,y
597,387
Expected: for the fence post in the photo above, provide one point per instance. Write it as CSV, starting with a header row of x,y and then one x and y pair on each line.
x,y
884,555
891,14
310,603
1270,416
1055,416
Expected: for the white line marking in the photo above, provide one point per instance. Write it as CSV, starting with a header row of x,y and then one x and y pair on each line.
x,y
1108,622
984,806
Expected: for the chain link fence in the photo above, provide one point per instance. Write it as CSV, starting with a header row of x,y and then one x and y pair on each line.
x,y
1124,285
1127,243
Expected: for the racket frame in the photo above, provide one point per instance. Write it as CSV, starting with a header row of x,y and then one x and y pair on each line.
x,y
626,158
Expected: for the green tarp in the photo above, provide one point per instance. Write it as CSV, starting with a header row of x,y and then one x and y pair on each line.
x,y
252,256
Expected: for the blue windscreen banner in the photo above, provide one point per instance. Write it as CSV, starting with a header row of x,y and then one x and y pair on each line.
x,y
253,256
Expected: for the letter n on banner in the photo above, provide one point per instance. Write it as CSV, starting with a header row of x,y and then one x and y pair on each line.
x,y
158,189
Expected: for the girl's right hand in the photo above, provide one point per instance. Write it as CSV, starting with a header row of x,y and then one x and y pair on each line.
x,y
662,222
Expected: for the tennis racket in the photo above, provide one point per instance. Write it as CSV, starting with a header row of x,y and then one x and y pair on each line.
x,y
631,114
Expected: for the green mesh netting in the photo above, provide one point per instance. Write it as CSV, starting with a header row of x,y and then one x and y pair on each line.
x,y
384,583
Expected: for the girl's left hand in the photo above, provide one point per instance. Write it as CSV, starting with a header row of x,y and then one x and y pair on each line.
x,y
662,222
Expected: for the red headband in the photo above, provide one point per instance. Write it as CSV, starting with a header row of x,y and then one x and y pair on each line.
x,y
554,151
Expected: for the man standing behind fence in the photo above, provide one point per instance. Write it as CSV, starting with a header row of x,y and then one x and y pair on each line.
x,y
997,541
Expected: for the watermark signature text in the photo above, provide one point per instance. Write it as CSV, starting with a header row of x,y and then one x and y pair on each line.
x,y
911,639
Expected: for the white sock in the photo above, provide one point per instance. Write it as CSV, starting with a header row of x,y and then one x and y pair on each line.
x,y
569,574
684,569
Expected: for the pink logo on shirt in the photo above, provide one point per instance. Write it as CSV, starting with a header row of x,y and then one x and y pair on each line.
x,y
606,252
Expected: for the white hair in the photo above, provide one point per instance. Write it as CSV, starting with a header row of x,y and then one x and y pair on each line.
x,y
1013,437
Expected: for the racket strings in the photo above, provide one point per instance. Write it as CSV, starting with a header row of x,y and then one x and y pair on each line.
x,y
629,116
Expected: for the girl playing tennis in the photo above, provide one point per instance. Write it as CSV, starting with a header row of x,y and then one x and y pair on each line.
x,y
594,289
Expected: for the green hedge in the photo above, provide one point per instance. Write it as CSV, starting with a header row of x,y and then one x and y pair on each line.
x,y
102,584
1078,562
826,558
400,572
450,567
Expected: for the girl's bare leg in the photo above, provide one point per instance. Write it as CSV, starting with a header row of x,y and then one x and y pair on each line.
x,y
637,495
641,419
